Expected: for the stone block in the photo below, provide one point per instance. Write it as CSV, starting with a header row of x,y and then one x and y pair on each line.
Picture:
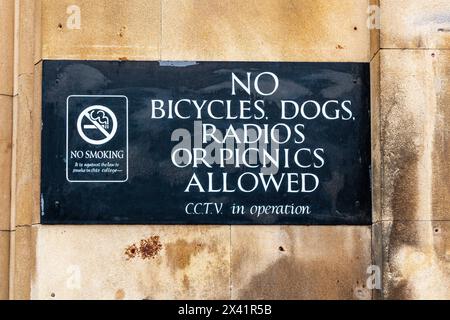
x,y
4,265
415,24
132,262
300,262
416,257
101,30
265,30
6,110
6,46
415,95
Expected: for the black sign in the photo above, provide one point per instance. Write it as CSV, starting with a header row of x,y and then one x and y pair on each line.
x,y
205,143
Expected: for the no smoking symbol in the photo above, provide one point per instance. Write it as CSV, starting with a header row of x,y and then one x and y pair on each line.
x,y
98,121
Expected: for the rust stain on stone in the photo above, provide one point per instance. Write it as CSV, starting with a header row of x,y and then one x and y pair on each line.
x,y
186,282
150,247
121,32
146,249
120,294
179,254
131,251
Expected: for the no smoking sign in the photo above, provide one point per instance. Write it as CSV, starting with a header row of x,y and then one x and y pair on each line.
x,y
97,138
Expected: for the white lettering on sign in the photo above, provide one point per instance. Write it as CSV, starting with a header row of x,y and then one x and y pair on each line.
x,y
251,144
247,86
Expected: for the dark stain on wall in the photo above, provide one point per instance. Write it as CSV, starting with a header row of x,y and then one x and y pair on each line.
x,y
179,253
441,141
401,156
292,276
400,177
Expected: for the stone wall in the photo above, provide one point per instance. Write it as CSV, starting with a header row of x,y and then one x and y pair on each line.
x,y
413,228
6,125
410,93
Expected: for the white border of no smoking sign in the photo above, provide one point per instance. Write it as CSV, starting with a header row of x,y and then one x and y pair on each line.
x,y
113,127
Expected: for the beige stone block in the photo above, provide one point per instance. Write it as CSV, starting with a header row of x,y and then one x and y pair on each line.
x,y
376,271
132,262
16,47
6,46
4,265
37,31
23,266
415,24
86,29
375,134
441,135
26,34
6,111
374,24
278,30
416,260
36,144
414,134
22,154
300,262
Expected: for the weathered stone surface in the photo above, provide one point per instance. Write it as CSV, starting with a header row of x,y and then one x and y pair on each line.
x,y
376,280
375,135
416,260
373,23
441,136
4,265
25,36
132,262
123,29
23,255
300,262
6,111
36,143
37,31
414,134
304,30
22,154
6,46
415,24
